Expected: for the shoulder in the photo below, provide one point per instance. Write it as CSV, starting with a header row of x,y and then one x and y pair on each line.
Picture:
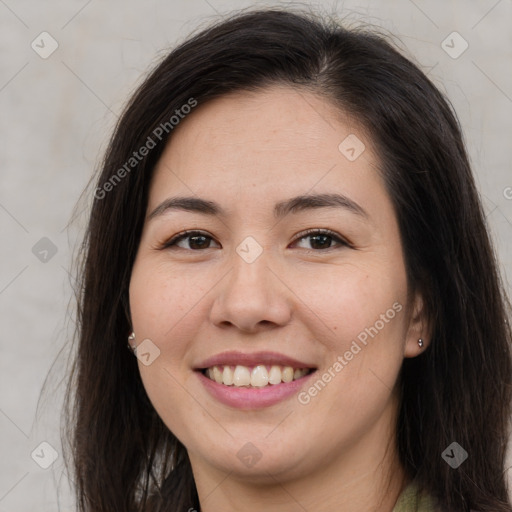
x,y
412,500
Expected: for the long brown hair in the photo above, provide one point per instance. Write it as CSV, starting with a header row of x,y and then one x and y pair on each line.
x,y
459,390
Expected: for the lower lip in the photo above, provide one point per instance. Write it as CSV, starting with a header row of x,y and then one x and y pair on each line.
x,y
252,398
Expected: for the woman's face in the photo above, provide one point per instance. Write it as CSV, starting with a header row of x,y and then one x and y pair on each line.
x,y
278,282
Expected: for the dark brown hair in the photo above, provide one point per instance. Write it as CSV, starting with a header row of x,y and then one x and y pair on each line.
x,y
459,389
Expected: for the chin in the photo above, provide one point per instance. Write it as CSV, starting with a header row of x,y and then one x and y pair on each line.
x,y
261,460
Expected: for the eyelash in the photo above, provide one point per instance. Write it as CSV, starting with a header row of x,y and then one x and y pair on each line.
x,y
308,233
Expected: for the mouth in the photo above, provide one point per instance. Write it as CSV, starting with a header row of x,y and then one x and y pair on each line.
x,y
255,376
252,381
257,370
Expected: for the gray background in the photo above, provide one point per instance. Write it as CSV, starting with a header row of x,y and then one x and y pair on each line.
x,y
57,116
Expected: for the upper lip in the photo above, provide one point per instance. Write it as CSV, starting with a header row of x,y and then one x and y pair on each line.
x,y
234,358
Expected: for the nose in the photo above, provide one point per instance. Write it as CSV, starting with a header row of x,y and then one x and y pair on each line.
x,y
251,298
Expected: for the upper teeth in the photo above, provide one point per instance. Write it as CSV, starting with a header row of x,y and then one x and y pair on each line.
x,y
257,376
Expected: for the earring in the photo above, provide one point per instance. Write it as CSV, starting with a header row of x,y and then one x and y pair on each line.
x,y
132,338
420,342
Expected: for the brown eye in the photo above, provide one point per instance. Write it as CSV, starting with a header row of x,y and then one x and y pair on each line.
x,y
192,240
321,239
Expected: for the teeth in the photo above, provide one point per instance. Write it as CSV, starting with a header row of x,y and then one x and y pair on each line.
x,y
274,377
241,376
287,374
227,376
259,376
217,375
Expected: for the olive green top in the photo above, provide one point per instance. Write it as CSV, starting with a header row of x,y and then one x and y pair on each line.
x,y
411,501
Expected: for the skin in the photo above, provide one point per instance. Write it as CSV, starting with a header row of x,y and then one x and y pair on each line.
x,y
248,151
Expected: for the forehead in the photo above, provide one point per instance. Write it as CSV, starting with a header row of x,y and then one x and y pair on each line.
x,y
277,142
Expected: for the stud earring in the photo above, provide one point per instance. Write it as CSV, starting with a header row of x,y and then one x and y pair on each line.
x,y
131,338
420,343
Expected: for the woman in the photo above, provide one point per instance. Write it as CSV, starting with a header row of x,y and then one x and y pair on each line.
x,y
287,233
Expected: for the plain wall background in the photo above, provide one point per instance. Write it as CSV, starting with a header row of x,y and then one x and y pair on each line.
x,y
58,114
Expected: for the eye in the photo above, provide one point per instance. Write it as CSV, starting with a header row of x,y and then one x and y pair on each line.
x,y
194,240
321,239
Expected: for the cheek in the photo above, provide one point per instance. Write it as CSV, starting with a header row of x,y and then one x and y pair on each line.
x,y
165,305
363,317
350,302
163,301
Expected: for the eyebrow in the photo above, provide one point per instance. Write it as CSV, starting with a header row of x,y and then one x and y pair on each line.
x,y
290,206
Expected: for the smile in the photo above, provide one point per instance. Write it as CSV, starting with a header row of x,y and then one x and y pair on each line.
x,y
258,376
253,380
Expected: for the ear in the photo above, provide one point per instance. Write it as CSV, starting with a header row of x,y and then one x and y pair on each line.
x,y
419,327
